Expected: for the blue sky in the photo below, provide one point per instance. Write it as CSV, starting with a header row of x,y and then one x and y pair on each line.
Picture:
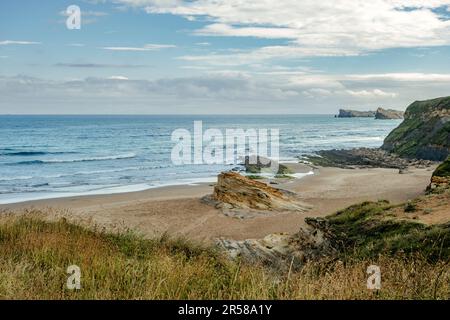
x,y
222,56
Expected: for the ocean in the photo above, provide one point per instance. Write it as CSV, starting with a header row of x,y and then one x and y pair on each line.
x,y
57,156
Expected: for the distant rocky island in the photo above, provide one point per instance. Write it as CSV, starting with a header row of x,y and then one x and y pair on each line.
x,y
344,113
385,114
379,114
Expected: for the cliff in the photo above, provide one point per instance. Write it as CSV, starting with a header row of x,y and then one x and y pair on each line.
x,y
425,132
355,114
385,114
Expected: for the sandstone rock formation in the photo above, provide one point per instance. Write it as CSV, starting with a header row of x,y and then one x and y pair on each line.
x,y
425,132
283,251
243,197
355,114
385,114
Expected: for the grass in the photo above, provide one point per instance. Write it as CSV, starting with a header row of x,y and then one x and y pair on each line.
x,y
443,170
410,207
368,229
35,254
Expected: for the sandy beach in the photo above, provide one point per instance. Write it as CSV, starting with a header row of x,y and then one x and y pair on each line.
x,y
179,211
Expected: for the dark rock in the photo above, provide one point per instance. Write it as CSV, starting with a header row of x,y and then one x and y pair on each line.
x,y
257,164
364,158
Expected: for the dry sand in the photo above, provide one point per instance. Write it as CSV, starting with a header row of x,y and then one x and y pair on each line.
x,y
178,210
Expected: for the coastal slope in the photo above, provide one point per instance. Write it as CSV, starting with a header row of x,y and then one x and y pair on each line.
x,y
425,132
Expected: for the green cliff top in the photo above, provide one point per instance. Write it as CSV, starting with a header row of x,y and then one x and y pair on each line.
x,y
425,132
443,170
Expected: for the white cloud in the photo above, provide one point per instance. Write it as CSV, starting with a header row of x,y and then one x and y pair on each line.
x,y
314,28
118,78
221,29
147,47
14,42
237,58
375,93
402,77
220,90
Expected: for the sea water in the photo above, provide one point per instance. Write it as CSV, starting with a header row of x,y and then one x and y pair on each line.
x,y
57,156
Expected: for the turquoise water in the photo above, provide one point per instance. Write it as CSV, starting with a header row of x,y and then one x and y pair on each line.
x,y
57,156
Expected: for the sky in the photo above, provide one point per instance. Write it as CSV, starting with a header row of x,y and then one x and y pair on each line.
x,y
222,56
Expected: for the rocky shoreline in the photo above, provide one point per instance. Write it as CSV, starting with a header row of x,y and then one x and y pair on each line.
x,y
362,230
364,158
371,228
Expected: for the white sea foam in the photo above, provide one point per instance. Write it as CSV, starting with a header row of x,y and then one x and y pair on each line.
x,y
116,157
16,178
300,175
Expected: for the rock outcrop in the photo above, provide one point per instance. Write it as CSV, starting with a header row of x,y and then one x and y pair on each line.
x,y
283,251
425,132
242,197
258,164
364,158
387,114
343,113
441,178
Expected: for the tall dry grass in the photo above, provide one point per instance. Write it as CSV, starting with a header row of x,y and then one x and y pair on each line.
x,y
34,255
